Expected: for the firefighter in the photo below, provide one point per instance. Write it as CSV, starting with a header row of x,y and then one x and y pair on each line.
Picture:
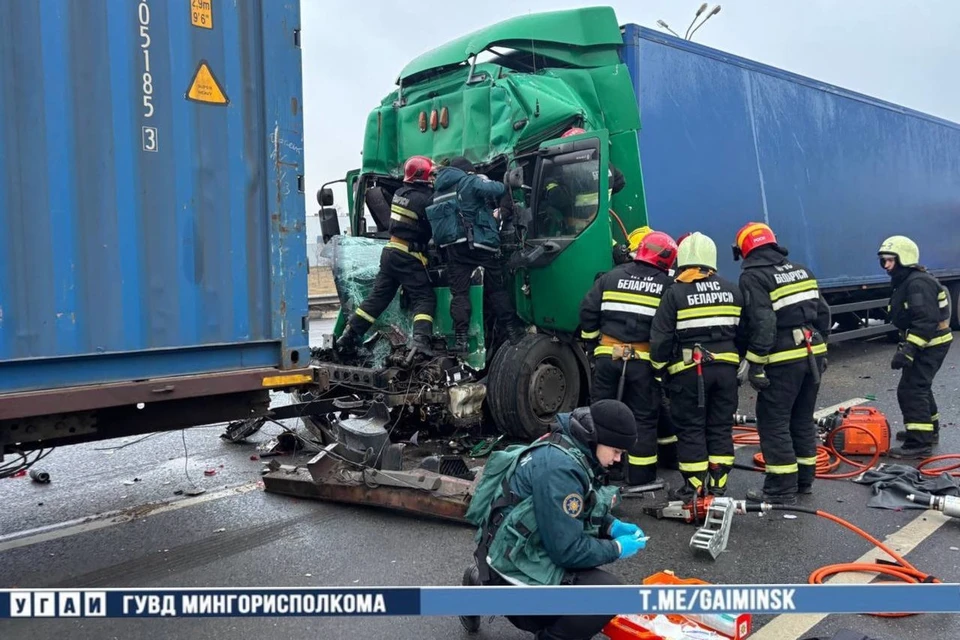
x,y
617,313
693,338
556,490
573,194
787,324
476,244
920,308
666,431
402,262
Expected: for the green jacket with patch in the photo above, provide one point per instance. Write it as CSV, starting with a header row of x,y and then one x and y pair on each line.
x,y
560,520
476,197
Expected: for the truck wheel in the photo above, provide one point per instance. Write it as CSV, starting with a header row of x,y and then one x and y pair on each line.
x,y
530,383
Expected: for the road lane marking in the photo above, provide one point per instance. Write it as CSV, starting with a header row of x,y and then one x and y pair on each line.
x,y
108,519
903,541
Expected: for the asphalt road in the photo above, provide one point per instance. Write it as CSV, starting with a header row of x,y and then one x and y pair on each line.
x,y
234,534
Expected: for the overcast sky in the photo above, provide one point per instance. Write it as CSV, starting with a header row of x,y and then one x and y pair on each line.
x,y
901,51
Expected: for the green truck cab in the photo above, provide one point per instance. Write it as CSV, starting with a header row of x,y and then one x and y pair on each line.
x,y
502,97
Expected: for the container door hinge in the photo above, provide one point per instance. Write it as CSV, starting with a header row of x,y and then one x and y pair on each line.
x,y
296,38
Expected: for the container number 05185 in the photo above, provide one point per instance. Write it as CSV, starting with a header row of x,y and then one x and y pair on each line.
x,y
146,84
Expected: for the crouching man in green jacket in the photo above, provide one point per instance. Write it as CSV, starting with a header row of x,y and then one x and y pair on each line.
x,y
543,514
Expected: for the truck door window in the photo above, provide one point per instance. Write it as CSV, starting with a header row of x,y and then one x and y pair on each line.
x,y
569,195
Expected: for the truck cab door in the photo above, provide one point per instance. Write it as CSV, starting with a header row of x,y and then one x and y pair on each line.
x,y
568,238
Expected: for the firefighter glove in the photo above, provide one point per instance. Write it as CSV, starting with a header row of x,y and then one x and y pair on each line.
x,y
758,377
903,357
630,545
621,528
742,372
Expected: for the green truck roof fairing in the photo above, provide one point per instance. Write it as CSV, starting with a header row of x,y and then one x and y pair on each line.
x,y
507,111
587,27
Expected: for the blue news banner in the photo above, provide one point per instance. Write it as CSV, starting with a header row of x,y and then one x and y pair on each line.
x,y
453,601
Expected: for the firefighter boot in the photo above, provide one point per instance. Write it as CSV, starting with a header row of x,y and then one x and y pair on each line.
x,y
719,473
460,343
911,451
422,344
346,345
757,495
694,486
515,332
471,578
902,435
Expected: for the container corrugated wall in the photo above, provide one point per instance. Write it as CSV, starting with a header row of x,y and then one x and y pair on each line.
x,y
145,233
726,141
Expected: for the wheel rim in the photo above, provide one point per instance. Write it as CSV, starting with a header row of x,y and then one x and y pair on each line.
x,y
548,388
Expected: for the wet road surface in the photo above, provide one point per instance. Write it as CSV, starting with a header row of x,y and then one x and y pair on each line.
x,y
235,535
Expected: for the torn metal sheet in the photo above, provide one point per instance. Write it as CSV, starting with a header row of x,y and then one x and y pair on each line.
x,y
437,496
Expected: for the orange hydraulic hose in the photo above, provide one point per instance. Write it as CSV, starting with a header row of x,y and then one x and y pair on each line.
x,y
626,236
936,471
903,570
828,458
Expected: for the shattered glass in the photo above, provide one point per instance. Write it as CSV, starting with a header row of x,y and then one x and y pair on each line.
x,y
355,263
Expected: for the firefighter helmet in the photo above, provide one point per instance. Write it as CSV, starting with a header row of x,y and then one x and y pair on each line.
x,y
638,234
573,131
417,169
657,249
697,250
751,236
905,249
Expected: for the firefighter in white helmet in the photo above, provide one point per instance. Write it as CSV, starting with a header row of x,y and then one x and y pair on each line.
x,y
920,309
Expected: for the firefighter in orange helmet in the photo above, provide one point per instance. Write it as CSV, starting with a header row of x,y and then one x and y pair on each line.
x,y
785,334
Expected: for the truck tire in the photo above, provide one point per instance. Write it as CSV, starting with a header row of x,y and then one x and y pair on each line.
x,y
530,383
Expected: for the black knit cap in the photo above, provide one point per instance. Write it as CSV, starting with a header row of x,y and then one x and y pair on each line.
x,y
614,424
463,164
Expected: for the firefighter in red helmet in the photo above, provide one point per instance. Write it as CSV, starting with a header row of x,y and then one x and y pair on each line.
x,y
403,262
616,316
785,324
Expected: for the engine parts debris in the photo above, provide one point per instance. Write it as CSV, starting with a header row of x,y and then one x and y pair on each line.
x,y
437,496
40,477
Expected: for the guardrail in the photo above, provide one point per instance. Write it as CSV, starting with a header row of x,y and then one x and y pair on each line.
x,y
330,300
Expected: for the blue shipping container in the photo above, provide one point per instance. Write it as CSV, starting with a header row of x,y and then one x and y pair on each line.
x,y
726,140
151,163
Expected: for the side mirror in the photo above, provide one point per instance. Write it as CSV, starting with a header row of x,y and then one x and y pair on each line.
x,y
329,223
325,197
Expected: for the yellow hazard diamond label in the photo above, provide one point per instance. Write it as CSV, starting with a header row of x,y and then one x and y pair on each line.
x,y
205,87
201,13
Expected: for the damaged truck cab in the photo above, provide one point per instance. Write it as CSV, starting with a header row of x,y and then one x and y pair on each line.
x,y
502,97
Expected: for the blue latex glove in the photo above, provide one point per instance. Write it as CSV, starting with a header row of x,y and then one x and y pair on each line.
x,y
621,528
630,545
